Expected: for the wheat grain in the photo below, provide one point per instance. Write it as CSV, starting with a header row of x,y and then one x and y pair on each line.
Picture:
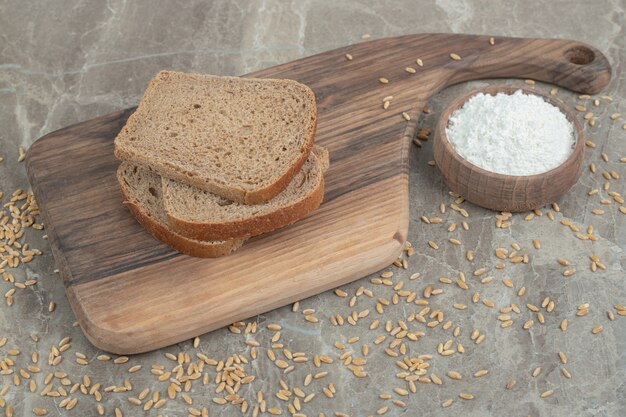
x,y
566,373
569,272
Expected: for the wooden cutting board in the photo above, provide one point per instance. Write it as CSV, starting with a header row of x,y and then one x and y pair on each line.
x,y
132,294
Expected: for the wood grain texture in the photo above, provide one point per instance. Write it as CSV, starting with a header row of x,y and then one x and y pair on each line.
x,y
505,192
132,294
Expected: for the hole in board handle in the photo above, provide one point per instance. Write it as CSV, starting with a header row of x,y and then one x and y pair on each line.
x,y
580,55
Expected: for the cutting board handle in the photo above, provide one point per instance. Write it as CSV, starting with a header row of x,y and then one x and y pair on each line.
x,y
570,64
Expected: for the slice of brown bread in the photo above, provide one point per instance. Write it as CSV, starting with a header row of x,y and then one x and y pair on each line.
x,y
243,139
199,214
142,194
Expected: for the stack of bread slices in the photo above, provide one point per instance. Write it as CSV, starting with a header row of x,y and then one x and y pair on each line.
x,y
208,161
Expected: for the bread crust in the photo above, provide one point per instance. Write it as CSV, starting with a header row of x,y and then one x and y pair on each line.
x,y
256,224
253,226
230,192
191,247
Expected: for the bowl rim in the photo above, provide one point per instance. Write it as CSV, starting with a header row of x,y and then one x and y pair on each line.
x,y
509,89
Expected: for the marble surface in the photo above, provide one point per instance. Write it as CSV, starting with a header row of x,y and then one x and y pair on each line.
x,y
62,62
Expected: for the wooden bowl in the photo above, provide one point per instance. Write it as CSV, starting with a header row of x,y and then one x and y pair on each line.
x,y
506,192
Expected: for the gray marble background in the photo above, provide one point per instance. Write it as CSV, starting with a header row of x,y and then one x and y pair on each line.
x,y
63,62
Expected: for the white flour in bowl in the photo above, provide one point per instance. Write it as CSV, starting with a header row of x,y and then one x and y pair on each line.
x,y
516,134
